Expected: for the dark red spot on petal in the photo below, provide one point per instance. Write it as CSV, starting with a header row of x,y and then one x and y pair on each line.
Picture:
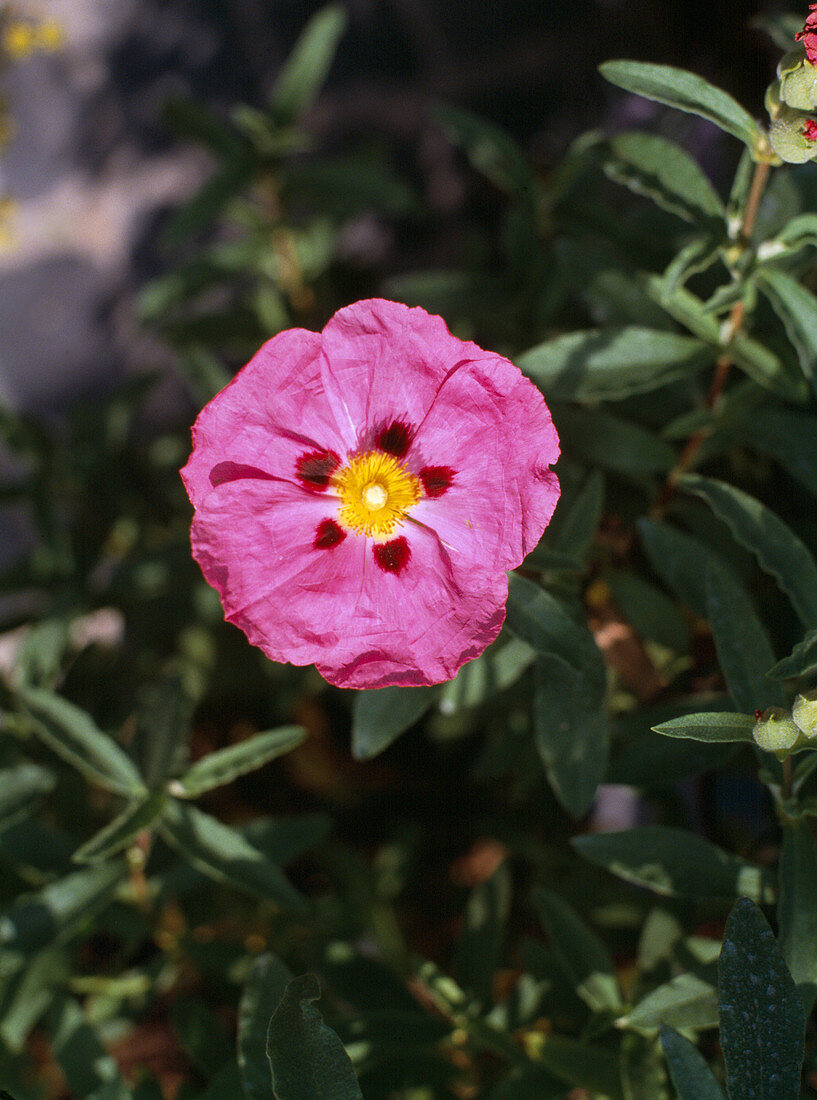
x,y
234,471
436,479
394,439
810,130
315,468
392,556
328,534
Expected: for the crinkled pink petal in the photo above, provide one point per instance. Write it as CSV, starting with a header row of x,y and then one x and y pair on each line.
x,y
272,412
808,35
362,626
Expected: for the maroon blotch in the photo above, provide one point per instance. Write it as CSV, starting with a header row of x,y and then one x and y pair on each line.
x,y
394,439
234,471
436,480
392,556
328,534
315,468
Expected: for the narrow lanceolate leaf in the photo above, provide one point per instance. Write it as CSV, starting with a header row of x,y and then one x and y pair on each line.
x,y
607,365
599,438
685,1001
224,855
73,735
744,650
21,787
120,832
797,907
802,659
780,375
571,731
307,1058
652,166
778,550
797,309
583,955
265,987
307,67
482,940
713,726
675,863
224,765
379,716
762,1018
687,92
692,1077
88,1067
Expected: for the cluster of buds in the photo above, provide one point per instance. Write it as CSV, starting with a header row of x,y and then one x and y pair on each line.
x,y
782,731
792,99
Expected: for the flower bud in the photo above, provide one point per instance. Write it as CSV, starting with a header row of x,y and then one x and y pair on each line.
x,y
804,713
775,731
793,136
798,80
772,101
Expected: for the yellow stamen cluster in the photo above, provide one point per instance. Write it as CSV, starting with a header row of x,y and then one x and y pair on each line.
x,y
375,492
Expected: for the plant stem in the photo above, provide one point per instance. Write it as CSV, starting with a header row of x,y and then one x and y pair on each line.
x,y
723,364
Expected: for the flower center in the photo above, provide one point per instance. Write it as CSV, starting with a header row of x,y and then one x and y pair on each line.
x,y
376,491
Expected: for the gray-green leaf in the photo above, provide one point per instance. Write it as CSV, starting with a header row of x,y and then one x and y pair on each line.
x,y
265,987
692,1077
796,307
224,765
797,907
306,68
715,726
117,834
379,716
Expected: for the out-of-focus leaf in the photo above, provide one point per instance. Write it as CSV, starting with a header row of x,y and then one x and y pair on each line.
x,y
679,559
284,839
490,149
224,765
87,1066
191,119
652,166
797,907
210,202
744,650
529,1083
580,1065
27,992
119,833
21,787
692,1077
687,92
479,950
602,365
73,735
685,1001
648,610
500,666
796,307
162,728
801,660
600,438
778,550
675,863
203,372
302,77
789,437
345,185
307,1058
798,231
379,716
781,376
683,305
225,855
577,518
762,1018
652,764
584,956
266,984
714,726
203,1035
643,1073
571,731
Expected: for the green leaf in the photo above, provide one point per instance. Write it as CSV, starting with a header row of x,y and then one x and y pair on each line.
x,y
798,231
491,150
120,832
481,942
778,550
801,660
675,863
643,1072
28,991
266,985
797,907
527,1083
715,726
571,732
21,787
600,438
768,369
687,92
762,1018
797,309
379,716
87,1066
744,650
652,166
685,1001
684,307
203,1035
583,955
789,437
35,920
578,1064
608,365
576,519
692,1077
224,855
73,735
204,374
307,1058
653,614
224,765
304,73
679,559
209,203
163,724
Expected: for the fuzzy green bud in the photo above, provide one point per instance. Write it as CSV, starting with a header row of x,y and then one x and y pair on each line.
x,y
804,713
798,80
793,136
775,731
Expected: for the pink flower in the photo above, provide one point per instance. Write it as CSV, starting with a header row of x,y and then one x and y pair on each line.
x,y
360,494
808,35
